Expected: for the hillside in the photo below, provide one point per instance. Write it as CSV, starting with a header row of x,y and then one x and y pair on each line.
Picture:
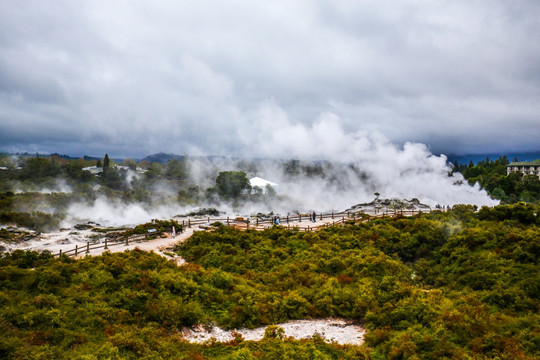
x,y
458,284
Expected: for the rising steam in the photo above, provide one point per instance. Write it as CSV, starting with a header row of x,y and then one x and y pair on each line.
x,y
352,167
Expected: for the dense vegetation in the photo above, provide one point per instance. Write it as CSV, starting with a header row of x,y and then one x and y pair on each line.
x,y
461,284
492,176
36,192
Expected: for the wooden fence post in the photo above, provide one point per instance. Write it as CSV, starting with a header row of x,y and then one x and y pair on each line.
x,y
105,244
189,223
332,216
300,218
76,249
227,220
88,247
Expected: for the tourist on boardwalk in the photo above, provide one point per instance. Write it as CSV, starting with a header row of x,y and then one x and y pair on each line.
x,y
314,217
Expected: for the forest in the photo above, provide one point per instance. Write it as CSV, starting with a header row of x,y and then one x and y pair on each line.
x,y
36,192
492,176
462,284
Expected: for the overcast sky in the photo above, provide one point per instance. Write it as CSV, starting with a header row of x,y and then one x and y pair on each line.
x,y
268,78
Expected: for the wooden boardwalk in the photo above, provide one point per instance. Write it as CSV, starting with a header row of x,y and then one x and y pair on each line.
x,y
301,222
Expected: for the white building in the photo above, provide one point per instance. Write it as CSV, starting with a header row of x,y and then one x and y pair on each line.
x,y
525,167
99,170
94,169
260,185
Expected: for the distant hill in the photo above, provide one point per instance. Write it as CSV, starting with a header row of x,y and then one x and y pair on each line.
x,y
58,156
162,158
475,158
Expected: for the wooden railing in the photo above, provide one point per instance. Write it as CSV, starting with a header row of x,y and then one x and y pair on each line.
x,y
92,246
289,221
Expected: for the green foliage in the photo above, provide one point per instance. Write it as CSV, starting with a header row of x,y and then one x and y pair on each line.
x,y
160,226
40,177
522,213
106,162
176,170
491,175
35,220
457,284
230,184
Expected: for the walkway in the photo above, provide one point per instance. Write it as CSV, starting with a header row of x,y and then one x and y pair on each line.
x,y
164,245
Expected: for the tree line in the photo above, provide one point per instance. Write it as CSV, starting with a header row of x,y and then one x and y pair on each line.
x,y
31,186
492,176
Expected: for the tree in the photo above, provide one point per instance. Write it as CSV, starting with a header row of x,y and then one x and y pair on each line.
x,y
292,168
106,162
176,170
498,193
230,184
98,164
270,190
154,171
131,164
113,179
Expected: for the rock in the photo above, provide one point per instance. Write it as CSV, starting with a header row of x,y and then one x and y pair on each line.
x,y
391,204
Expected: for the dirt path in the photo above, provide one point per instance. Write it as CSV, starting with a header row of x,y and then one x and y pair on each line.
x,y
162,246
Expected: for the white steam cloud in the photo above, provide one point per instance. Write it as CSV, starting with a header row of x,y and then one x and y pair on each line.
x,y
109,213
393,171
350,168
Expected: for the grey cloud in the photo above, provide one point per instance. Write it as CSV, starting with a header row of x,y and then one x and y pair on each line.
x,y
136,77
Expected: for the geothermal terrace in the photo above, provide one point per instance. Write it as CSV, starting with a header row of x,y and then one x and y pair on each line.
x,y
83,239
336,330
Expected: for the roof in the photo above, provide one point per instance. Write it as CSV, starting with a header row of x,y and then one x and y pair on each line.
x,y
525,163
257,181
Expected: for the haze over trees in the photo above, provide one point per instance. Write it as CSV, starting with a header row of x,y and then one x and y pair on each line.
x,y
37,191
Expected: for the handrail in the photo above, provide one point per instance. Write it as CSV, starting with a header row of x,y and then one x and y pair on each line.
x,y
338,218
